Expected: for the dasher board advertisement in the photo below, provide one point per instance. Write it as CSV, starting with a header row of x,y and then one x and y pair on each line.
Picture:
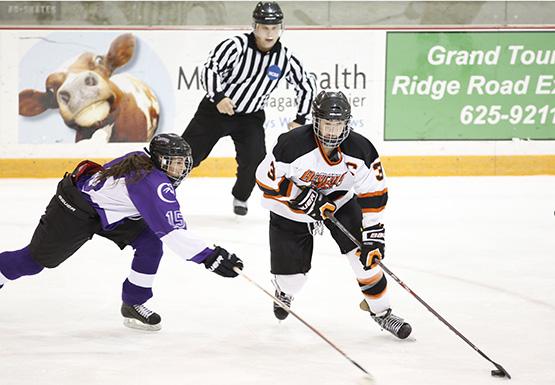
x,y
113,86
463,85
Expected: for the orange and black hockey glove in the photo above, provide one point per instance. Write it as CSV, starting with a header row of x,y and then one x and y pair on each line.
x,y
373,246
313,203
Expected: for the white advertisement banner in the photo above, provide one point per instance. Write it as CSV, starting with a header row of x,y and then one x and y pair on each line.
x,y
155,77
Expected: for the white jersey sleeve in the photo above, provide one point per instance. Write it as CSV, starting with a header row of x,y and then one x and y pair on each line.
x,y
370,188
273,177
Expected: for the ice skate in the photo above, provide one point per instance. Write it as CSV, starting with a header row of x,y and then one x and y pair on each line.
x,y
140,317
393,324
240,207
390,322
279,311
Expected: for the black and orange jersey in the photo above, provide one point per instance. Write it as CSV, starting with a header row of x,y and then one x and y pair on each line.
x,y
297,160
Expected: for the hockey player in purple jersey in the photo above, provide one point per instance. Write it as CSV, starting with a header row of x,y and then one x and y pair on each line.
x,y
319,168
131,201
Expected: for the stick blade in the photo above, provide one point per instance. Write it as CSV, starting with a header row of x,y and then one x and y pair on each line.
x,y
500,372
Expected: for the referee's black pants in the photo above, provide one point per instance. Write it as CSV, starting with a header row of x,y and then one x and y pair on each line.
x,y
247,132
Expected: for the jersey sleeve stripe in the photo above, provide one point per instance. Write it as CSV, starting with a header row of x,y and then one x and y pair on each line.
x,y
284,188
373,194
373,210
373,203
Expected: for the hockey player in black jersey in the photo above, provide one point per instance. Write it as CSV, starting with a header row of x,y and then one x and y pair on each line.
x,y
319,169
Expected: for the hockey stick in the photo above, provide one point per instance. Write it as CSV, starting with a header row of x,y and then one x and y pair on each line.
x,y
500,372
288,309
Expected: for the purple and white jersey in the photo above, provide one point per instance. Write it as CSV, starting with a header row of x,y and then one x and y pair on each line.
x,y
153,199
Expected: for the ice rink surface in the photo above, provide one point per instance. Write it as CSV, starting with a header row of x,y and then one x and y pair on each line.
x,y
480,250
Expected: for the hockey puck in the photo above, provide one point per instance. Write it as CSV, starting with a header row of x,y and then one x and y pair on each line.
x,y
498,373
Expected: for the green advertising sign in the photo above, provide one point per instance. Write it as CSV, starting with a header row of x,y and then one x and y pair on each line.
x,y
470,85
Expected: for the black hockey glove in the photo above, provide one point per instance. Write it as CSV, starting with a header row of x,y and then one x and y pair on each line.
x,y
373,246
222,263
313,203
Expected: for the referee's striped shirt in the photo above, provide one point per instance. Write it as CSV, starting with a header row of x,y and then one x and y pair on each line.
x,y
238,70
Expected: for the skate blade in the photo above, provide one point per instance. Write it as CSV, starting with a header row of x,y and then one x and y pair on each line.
x,y
138,325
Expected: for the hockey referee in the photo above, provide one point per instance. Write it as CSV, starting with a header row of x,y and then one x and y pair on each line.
x,y
239,76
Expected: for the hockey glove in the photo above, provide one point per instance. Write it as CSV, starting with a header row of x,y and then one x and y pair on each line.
x,y
373,246
313,203
222,263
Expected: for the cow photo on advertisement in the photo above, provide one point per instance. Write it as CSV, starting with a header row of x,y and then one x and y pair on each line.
x,y
97,105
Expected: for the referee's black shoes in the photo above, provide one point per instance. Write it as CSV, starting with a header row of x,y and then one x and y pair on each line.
x,y
240,207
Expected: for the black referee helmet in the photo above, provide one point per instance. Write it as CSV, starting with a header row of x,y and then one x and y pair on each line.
x,y
267,12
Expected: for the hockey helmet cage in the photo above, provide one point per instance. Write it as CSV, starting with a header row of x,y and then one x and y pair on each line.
x,y
267,12
332,106
167,149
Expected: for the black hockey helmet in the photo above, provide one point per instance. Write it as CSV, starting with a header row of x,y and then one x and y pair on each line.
x,y
333,106
267,12
165,149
